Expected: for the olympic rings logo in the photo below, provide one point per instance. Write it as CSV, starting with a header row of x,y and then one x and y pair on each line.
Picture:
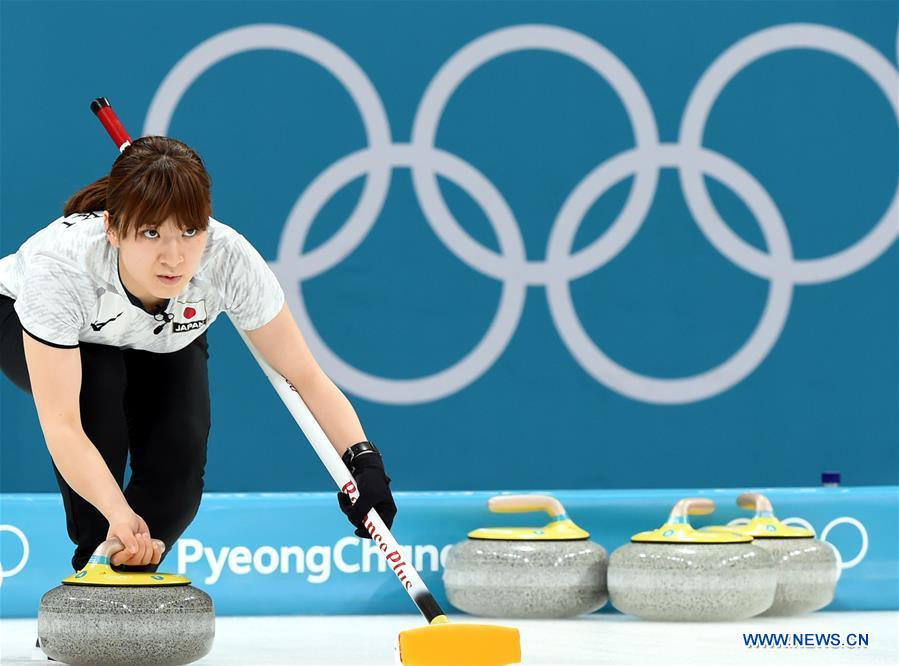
x,y
511,266
4,573
843,520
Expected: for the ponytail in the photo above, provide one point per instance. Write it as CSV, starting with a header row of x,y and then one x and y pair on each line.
x,y
88,199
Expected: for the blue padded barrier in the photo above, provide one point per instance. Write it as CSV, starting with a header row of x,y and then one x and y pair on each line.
x,y
293,553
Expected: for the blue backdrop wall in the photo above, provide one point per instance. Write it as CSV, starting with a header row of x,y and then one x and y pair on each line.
x,y
543,244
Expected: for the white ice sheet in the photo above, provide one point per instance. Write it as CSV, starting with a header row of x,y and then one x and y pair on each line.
x,y
592,639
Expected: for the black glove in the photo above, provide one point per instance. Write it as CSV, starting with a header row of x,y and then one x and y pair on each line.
x,y
374,491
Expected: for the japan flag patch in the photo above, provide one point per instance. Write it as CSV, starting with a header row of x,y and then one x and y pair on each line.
x,y
189,316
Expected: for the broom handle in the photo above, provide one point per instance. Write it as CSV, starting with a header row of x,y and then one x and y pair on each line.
x,y
387,544
117,132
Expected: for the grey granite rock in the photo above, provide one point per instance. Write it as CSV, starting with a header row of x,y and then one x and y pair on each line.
x,y
807,574
137,626
526,579
682,581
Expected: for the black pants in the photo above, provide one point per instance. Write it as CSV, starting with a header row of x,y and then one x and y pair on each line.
x,y
154,405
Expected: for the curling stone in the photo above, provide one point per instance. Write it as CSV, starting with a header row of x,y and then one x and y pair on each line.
x,y
807,569
103,617
548,572
678,573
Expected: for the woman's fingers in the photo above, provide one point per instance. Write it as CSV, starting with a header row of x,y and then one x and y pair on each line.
x,y
157,552
142,554
126,536
140,548
146,549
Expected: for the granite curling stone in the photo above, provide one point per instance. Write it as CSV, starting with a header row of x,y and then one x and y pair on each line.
x,y
807,569
548,572
677,573
103,617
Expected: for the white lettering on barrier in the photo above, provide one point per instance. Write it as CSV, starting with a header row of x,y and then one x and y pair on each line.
x,y
370,553
347,556
239,560
341,563
315,561
260,566
216,565
318,563
420,553
294,552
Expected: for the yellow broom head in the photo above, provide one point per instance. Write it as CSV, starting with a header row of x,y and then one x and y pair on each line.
x,y
444,644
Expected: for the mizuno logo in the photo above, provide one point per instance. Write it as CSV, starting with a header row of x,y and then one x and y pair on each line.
x,y
100,324
84,216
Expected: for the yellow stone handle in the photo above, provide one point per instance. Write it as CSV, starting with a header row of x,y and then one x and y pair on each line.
x,y
691,506
754,502
525,503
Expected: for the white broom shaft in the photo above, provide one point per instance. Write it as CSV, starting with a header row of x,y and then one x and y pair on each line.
x,y
387,544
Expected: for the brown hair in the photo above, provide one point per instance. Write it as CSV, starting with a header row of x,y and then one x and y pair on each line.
x,y
154,178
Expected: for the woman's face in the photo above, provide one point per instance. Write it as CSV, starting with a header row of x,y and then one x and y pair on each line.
x,y
157,263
